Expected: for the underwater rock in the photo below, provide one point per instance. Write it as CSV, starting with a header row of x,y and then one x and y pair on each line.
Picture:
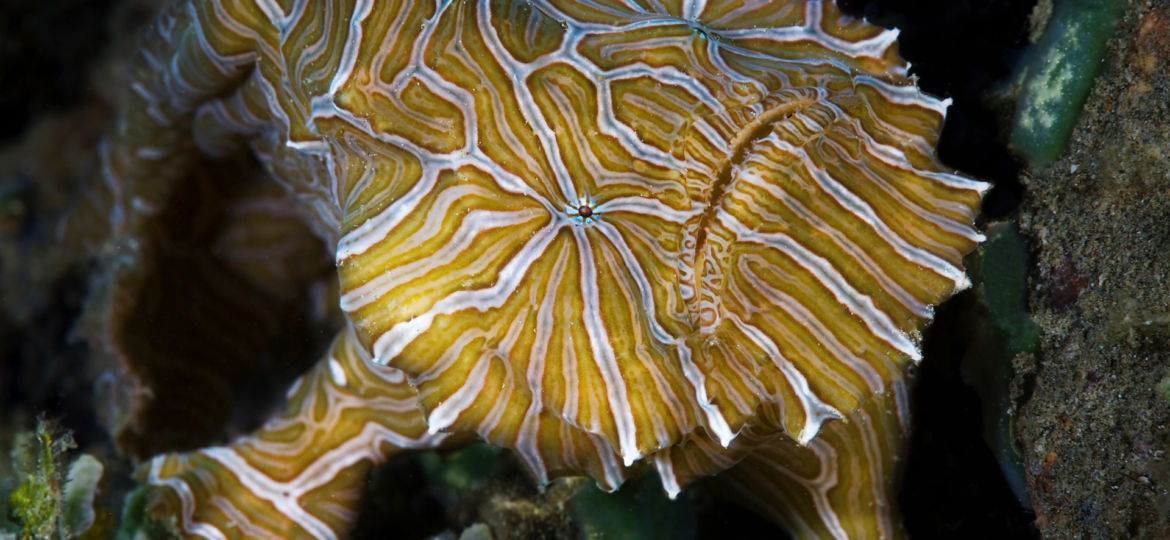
x,y
1005,337
1056,74
1096,431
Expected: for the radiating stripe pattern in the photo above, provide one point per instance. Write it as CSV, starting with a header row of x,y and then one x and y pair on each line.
x,y
595,232
645,222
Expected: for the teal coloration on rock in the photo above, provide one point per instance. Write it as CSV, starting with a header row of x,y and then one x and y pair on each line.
x,y
1001,272
1003,332
639,510
464,469
1055,77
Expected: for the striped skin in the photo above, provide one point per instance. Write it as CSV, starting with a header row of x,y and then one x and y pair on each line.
x,y
596,233
302,474
841,485
766,228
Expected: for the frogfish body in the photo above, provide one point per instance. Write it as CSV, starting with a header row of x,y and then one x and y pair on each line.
x,y
610,236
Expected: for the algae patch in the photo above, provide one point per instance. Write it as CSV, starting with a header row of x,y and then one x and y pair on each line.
x,y
53,498
1056,75
1006,335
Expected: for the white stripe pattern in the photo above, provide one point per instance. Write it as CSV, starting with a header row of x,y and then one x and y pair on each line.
x,y
589,230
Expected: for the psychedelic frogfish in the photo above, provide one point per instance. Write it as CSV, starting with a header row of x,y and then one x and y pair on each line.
x,y
614,237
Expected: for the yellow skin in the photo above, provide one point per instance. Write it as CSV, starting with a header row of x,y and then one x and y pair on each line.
x,y
599,234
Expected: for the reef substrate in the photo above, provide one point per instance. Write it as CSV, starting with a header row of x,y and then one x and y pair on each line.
x,y
1096,429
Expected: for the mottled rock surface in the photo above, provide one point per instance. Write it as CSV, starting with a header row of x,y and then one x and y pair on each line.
x,y
1095,430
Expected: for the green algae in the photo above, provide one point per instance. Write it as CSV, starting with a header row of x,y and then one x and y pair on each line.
x,y
639,510
39,461
39,458
55,498
1001,272
1004,334
462,470
1056,74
